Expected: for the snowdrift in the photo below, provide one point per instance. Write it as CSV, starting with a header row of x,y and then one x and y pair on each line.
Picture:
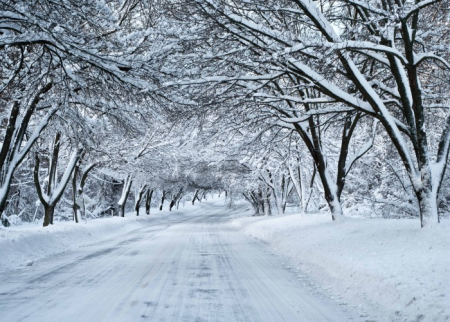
x,y
24,244
389,270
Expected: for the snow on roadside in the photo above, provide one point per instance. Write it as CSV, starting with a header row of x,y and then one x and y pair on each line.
x,y
22,245
390,270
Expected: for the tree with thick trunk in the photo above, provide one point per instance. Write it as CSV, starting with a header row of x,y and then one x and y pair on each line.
x,y
54,191
14,149
363,60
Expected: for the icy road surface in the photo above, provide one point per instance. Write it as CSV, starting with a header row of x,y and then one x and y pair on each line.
x,y
199,269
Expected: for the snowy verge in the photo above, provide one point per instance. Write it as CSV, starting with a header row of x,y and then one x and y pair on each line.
x,y
389,270
22,245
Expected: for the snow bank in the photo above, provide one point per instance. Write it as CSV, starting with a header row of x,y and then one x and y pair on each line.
x,y
389,270
24,244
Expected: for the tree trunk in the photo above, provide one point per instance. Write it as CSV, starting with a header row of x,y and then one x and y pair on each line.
x,y
4,220
266,202
195,196
172,203
49,211
80,192
3,204
330,194
56,192
302,187
125,192
250,198
162,200
267,207
329,186
148,201
298,186
122,210
427,200
13,149
138,200
261,202
53,164
74,195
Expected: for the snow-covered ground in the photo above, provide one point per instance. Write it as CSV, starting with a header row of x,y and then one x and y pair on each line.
x,y
386,270
22,245
389,270
196,268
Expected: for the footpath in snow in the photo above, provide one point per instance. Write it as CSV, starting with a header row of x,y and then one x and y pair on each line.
x,y
389,270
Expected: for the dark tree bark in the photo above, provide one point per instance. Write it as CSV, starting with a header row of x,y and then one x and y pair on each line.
x,y
75,205
49,211
172,203
125,192
195,196
148,201
50,199
13,151
138,201
175,198
163,197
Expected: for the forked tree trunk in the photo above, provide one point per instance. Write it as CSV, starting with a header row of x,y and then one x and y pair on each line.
x,y
13,150
50,198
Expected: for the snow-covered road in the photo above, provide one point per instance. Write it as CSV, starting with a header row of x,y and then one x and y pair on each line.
x,y
195,269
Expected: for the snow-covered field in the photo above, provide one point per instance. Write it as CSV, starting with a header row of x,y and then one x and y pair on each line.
x,y
22,245
389,270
